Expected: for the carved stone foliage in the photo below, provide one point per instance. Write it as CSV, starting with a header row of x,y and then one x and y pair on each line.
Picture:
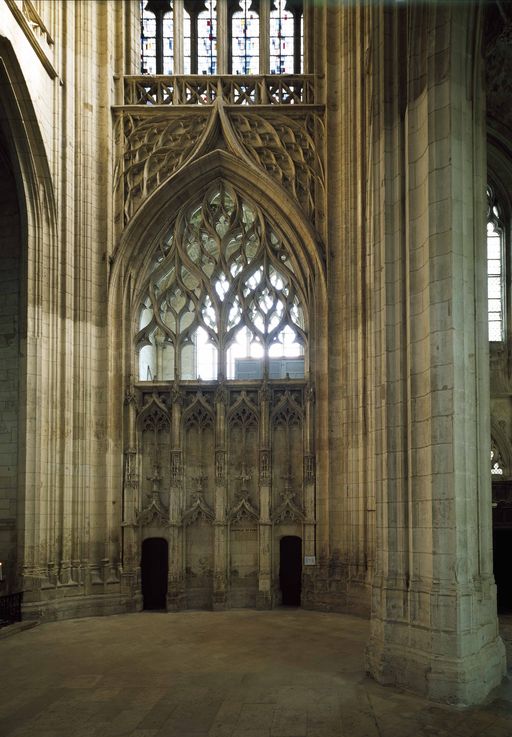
x,y
154,147
285,148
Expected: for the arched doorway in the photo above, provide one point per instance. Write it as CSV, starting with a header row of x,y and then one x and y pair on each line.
x,y
290,569
154,567
10,333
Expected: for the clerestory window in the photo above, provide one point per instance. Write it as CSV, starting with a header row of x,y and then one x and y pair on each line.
x,y
222,36
245,39
495,268
157,37
221,299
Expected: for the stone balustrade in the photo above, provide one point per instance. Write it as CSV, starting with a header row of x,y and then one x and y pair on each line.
x,y
232,89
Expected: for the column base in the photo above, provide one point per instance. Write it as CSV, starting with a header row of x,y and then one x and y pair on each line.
x,y
440,643
458,681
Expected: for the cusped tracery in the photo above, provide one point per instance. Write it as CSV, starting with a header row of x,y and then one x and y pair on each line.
x,y
221,298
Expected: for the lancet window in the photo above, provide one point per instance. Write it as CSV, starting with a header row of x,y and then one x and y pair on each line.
x,y
222,298
222,36
495,268
286,37
157,37
245,40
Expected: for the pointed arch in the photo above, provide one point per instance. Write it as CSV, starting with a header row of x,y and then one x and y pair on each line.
x,y
19,124
202,424
243,412
287,412
152,220
154,415
27,156
199,413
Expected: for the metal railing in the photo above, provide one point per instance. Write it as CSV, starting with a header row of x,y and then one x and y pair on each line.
x,y
10,608
233,89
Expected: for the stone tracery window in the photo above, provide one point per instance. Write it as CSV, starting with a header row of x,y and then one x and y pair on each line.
x,y
256,36
222,298
495,268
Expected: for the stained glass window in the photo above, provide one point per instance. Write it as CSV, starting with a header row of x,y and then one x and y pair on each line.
x,y
245,40
495,271
207,40
221,298
281,39
195,27
168,44
157,37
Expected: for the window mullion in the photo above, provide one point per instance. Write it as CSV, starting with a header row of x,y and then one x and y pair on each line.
x,y
193,10
223,32
179,67
297,18
232,7
264,36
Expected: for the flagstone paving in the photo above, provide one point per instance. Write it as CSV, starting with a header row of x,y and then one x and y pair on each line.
x,y
284,673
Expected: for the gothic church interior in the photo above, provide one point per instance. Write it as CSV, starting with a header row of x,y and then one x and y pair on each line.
x,y
256,317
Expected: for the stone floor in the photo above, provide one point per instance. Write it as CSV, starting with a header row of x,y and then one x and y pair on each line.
x,y
286,673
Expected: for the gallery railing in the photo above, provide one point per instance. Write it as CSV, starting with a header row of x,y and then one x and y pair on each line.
x,y
232,89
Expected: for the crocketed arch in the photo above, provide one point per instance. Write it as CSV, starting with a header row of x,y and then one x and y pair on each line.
x,y
151,222
220,287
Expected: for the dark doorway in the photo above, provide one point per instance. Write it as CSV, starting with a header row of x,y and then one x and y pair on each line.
x,y
290,569
502,550
154,566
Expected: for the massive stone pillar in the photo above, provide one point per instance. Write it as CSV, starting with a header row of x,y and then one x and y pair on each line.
x,y
434,625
